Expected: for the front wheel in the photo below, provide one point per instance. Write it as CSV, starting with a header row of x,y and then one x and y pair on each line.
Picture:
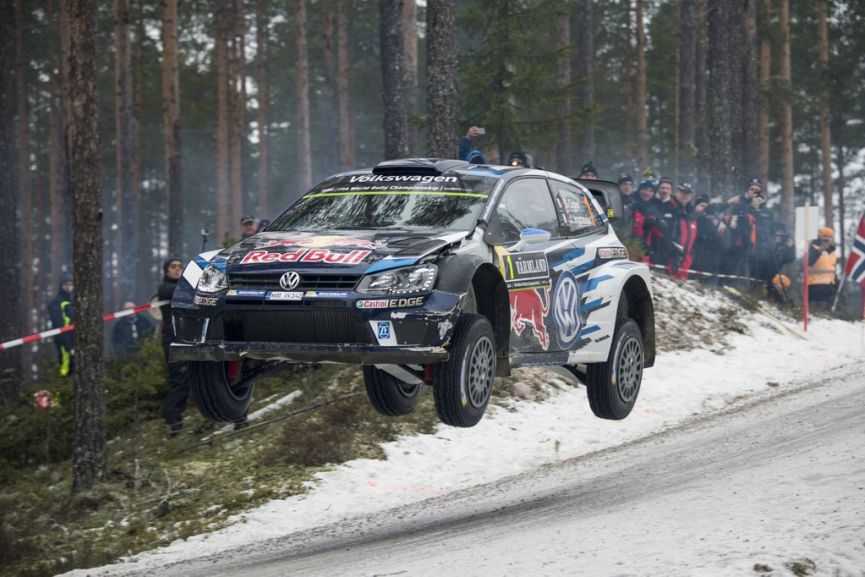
x,y
464,383
387,394
219,390
613,385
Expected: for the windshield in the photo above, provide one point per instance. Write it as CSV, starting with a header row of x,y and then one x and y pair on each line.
x,y
376,201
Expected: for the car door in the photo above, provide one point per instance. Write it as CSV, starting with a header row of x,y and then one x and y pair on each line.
x,y
526,203
579,288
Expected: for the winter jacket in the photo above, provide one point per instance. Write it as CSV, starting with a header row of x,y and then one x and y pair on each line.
x,y
708,244
128,332
683,236
61,314
164,293
652,229
821,264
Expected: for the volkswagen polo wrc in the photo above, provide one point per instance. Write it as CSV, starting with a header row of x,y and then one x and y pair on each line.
x,y
425,272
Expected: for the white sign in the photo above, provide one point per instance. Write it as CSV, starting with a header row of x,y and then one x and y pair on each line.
x,y
807,223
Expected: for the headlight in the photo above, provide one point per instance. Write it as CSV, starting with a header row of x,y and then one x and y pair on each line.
x,y
404,281
212,280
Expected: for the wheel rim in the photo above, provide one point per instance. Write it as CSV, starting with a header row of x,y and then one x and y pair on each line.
x,y
480,372
629,370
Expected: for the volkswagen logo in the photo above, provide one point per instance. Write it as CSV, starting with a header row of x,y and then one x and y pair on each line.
x,y
289,280
566,309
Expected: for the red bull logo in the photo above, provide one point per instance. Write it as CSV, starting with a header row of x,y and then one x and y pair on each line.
x,y
528,310
318,255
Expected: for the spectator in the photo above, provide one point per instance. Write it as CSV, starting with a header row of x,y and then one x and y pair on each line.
x,y
518,158
61,314
588,171
707,246
626,189
648,225
761,240
476,157
178,383
683,232
467,141
736,231
249,226
129,332
665,189
822,261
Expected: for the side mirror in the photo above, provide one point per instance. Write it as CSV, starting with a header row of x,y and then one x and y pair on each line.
x,y
530,236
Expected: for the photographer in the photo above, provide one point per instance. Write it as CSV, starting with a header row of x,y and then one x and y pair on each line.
x,y
822,262
467,141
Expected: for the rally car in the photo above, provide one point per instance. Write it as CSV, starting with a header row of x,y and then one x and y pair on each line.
x,y
426,272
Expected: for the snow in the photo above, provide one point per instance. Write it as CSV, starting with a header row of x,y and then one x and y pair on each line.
x,y
526,435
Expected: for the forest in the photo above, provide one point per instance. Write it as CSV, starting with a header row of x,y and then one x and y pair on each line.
x,y
205,110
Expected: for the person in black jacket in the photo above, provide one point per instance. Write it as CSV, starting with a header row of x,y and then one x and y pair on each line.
x,y
707,246
60,312
178,383
129,332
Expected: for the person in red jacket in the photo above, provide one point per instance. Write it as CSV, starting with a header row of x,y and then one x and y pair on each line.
x,y
683,233
648,225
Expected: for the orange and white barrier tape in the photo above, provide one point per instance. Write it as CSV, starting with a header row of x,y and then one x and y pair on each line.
x,y
54,332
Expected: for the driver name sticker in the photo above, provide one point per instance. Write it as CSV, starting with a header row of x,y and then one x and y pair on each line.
x,y
316,255
390,303
613,252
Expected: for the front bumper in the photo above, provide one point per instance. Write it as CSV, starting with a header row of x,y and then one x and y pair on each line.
x,y
304,352
350,328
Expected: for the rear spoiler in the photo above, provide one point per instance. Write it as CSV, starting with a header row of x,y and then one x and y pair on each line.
x,y
608,196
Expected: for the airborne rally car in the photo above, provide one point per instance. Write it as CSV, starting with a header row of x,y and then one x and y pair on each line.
x,y
426,272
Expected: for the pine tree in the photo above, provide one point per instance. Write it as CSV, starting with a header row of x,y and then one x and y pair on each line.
x,y
347,159
89,454
392,52
786,112
825,115
127,262
171,124
304,154
441,78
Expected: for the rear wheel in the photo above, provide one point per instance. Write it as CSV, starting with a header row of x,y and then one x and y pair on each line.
x,y
613,385
387,394
219,390
464,382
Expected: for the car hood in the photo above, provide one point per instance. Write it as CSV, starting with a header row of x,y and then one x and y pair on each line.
x,y
348,252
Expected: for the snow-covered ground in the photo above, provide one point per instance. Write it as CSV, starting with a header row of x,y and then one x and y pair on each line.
x,y
762,360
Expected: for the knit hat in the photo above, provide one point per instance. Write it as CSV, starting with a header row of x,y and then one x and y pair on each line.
x,y
700,199
476,157
647,184
624,177
686,188
65,277
518,158
756,182
588,168
665,180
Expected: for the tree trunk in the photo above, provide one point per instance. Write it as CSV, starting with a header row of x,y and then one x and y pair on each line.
x,y
785,88
127,261
687,90
347,160
564,144
825,134
304,154
642,127
725,106
89,455
11,317
171,124
25,188
751,104
329,164
701,130
261,40
765,88
238,108
393,79
585,64
628,80
677,103
223,182
441,86
142,241
842,226
409,27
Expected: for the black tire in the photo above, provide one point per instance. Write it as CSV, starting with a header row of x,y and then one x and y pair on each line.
x,y
613,385
387,394
217,398
464,382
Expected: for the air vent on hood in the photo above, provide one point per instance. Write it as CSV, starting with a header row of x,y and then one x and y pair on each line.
x,y
419,166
